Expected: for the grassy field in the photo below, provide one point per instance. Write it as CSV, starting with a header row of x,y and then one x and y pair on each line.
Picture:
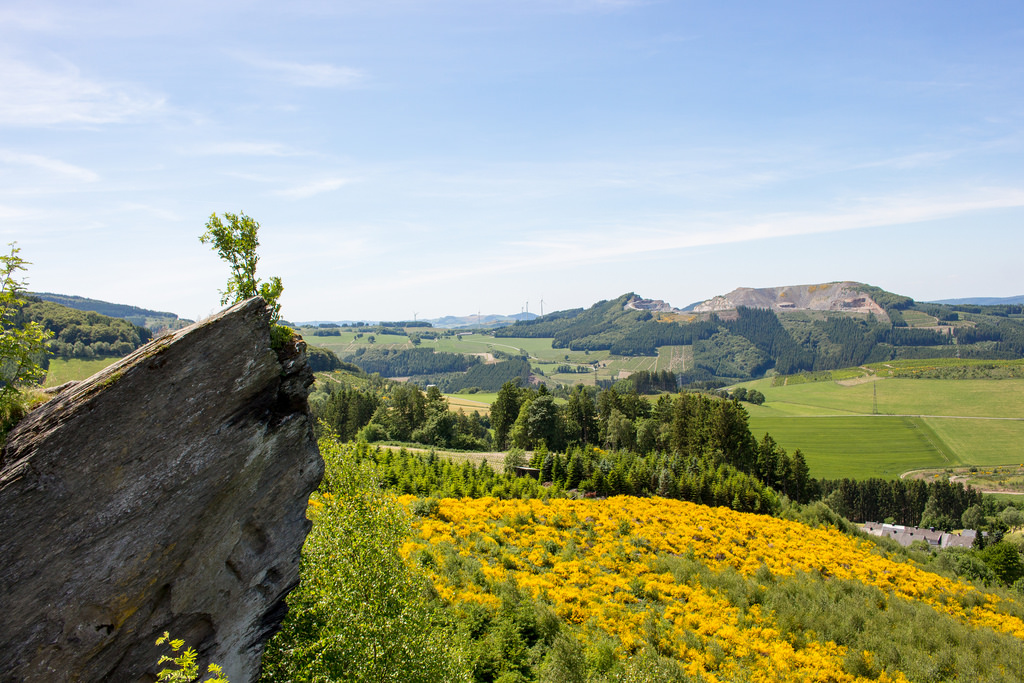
x,y
919,319
479,397
920,423
74,369
856,447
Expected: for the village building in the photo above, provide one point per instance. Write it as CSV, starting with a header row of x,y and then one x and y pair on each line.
x,y
905,535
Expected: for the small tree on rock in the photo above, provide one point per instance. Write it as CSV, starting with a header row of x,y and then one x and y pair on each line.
x,y
235,239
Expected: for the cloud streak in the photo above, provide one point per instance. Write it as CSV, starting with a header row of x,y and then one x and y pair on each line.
x,y
609,245
31,96
47,164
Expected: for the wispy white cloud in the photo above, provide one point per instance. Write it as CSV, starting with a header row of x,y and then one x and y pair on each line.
x,y
313,188
313,75
48,164
619,243
35,96
717,230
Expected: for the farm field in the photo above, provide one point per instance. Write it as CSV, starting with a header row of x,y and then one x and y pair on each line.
x,y
486,398
856,447
464,404
675,358
897,396
920,424
573,378
539,349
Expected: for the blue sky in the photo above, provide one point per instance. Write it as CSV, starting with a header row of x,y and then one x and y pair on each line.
x,y
443,157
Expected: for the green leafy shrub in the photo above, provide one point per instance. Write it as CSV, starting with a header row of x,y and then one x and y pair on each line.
x,y
185,669
360,613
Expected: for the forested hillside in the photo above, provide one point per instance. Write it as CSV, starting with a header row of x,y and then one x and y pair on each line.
x,y
747,342
81,334
142,317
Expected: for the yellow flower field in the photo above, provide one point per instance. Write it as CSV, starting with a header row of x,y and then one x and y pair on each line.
x,y
601,565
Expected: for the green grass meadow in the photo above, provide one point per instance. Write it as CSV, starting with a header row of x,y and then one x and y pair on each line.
x,y
855,447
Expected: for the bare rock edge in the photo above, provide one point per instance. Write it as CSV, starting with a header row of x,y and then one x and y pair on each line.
x,y
166,493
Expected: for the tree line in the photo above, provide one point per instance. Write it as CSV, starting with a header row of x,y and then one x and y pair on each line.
x,y
408,362
911,502
388,411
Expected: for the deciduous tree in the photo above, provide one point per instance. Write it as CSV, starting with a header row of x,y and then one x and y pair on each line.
x,y
235,241
22,347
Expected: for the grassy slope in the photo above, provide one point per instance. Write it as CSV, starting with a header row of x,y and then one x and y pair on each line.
x,y
833,426
74,369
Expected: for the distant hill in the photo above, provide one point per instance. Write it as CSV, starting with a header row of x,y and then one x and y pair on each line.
x,y
143,317
791,329
445,322
479,321
83,334
984,300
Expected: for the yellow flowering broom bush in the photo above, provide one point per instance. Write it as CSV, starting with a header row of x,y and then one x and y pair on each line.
x,y
729,596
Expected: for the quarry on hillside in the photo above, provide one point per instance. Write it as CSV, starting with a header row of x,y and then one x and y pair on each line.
x,y
847,297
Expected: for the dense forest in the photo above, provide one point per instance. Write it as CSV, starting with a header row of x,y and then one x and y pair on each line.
x,y
407,362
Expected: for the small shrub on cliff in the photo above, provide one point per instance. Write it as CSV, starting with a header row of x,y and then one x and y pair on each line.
x,y
185,669
22,342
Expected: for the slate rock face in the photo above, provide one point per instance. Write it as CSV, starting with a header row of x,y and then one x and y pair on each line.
x,y
166,493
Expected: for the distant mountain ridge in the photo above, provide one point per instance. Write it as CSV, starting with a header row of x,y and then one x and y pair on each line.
x,y
446,322
983,300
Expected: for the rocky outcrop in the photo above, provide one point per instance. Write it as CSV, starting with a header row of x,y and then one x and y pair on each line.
x,y
166,493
